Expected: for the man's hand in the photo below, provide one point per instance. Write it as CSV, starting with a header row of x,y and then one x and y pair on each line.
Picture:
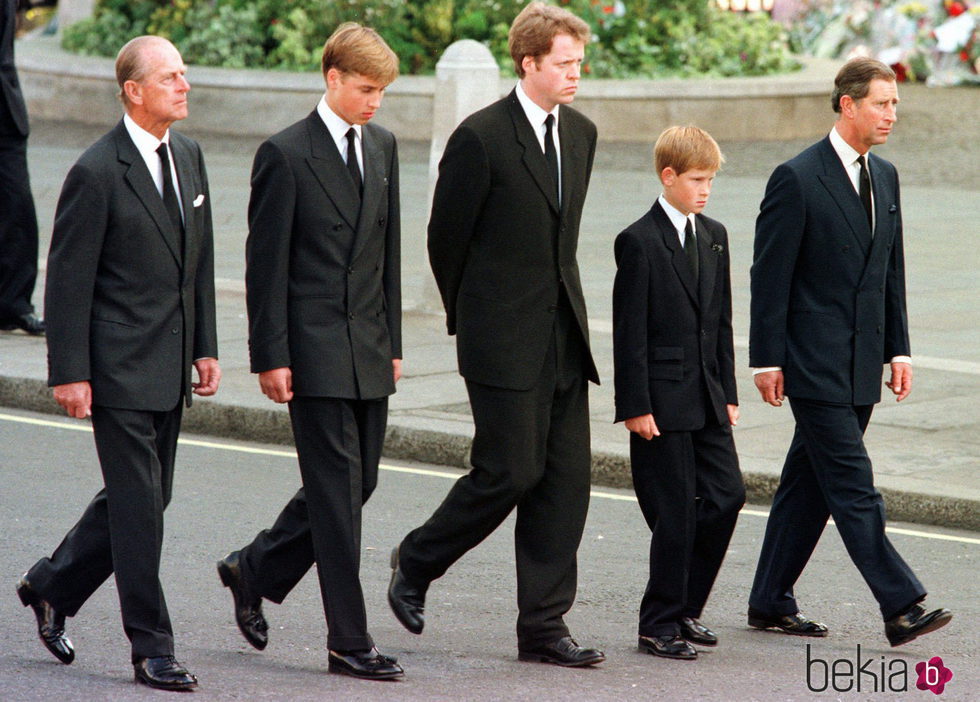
x,y
901,381
277,384
732,414
208,376
770,386
644,425
396,364
76,398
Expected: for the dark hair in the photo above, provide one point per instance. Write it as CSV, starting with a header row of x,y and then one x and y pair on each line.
x,y
854,79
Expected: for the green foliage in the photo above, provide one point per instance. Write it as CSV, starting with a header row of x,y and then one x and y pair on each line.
x,y
634,38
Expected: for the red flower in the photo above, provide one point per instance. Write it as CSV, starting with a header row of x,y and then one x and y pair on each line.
x,y
901,74
964,55
955,9
608,9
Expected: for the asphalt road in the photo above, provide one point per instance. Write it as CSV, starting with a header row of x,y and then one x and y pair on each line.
x,y
225,491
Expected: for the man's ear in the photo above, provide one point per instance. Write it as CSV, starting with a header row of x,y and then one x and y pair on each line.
x,y
668,176
134,92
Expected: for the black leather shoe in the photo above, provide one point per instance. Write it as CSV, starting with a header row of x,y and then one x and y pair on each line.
x,y
695,632
50,622
367,665
29,322
795,624
407,599
248,608
668,646
564,652
164,673
914,623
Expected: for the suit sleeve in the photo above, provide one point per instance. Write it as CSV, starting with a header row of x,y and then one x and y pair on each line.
x,y
631,294
896,313
205,329
270,221
726,343
778,236
392,271
461,189
80,223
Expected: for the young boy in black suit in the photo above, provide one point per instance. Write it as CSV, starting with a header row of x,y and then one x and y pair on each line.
x,y
675,390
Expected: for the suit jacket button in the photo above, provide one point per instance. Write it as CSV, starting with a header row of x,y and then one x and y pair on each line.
x,y
350,316
338,226
350,269
175,330
381,222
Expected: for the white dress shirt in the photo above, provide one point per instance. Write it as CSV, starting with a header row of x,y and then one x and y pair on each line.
x,y
678,219
537,116
147,145
338,129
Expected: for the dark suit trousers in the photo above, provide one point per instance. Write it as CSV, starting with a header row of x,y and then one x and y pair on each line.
x,y
828,473
121,530
530,451
18,228
690,491
339,445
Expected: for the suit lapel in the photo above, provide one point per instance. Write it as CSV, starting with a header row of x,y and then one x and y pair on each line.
x,y
678,259
884,200
331,171
141,182
188,192
533,156
375,181
838,184
708,263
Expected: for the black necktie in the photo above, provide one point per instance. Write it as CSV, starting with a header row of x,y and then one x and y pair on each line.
x,y
691,248
551,153
352,167
864,189
170,194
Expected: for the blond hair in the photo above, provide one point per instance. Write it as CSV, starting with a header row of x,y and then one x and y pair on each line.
x,y
686,148
535,28
354,48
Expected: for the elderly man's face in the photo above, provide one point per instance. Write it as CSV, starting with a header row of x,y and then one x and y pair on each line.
x,y
162,93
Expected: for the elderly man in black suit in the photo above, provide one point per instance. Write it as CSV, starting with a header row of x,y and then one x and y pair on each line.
x,y
18,220
502,240
828,310
324,311
130,306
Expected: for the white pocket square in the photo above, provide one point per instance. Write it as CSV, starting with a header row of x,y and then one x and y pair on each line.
x,y
199,200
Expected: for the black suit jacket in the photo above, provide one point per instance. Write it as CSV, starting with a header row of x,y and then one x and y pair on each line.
x,y
672,334
13,111
495,226
828,300
125,308
323,282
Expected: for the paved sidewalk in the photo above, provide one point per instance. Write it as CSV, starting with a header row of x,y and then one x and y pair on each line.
x,y
926,450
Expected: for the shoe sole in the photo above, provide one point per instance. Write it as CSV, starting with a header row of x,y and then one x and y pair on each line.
x,y
537,658
227,579
644,649
693,642
938,623
763,625
169,688
23,594
340,670
412,629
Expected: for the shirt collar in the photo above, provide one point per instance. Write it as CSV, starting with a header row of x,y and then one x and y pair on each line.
x,y
535,114
676,217
845,152
145,142
335,124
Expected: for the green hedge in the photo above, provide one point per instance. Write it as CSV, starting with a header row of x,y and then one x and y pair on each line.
x,y
639,38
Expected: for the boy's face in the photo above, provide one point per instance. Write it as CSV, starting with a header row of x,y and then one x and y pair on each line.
x,y
689,191
353,97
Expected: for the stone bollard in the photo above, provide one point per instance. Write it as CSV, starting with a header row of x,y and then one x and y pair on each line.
x,y
467,79
71,11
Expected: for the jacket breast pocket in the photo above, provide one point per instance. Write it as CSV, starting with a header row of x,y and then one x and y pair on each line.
x,y
667,363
